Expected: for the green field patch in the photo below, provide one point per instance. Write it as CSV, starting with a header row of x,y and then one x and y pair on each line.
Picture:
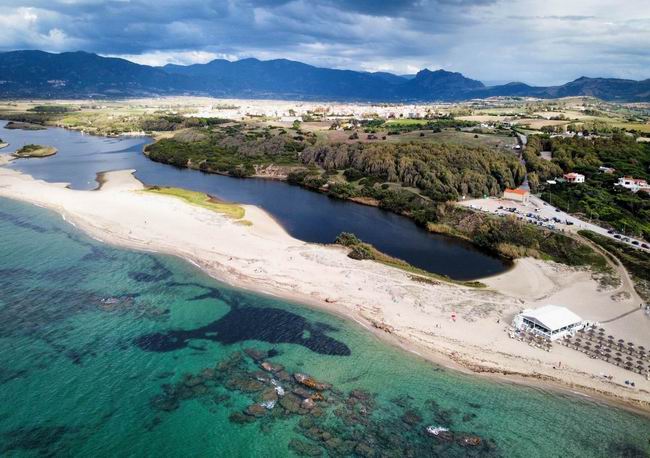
x,y
233,211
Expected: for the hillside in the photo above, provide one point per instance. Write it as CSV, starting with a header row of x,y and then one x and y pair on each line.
x,y
37,74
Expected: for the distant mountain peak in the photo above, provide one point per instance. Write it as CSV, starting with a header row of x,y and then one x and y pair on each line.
x,y
38,74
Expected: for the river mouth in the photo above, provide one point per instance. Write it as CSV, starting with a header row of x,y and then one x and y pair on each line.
x,y
305,215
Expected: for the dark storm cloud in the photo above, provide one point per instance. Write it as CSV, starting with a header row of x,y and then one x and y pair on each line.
x,y
491,39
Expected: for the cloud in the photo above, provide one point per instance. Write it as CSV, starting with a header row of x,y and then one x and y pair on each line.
x,y
33,27
538,42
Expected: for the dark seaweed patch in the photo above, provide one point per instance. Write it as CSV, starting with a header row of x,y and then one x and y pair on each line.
x,y
251,323
158,272
624,450
20,222
38,438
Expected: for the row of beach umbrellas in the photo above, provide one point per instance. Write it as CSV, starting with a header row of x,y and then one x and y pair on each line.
x,y
594,342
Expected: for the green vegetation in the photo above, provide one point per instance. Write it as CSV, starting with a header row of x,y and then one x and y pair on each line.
x,y
35,151
636,262
598,198
395,127
512,238
52,109
413,179
360,250
233,211
439,172
230,151
23,125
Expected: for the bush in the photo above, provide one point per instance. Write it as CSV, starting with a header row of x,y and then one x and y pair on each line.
x,y
347,239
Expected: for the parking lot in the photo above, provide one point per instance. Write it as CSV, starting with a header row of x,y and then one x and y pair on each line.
x,y
542,214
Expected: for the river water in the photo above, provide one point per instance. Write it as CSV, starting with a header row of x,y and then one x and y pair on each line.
x,y
306,215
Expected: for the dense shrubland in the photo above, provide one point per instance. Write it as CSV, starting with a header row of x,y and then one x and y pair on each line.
x,y
413,179
596,199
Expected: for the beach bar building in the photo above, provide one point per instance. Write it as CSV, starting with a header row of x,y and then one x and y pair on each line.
x,y
518,195
550,321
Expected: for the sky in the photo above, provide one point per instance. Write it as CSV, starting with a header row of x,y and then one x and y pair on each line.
x,y
537,42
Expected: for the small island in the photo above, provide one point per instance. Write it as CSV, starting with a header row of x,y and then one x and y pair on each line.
x,y
3,144
35,151
23,126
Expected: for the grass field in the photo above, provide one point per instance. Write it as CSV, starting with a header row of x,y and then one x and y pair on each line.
x,y
406,122
233,211
454,137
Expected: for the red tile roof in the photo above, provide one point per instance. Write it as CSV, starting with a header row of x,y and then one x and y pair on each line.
x,y
521,192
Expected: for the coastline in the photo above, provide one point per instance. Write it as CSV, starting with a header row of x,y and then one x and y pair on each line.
x,y
417,315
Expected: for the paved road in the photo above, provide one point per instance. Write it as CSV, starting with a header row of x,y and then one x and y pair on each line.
x,y
542,214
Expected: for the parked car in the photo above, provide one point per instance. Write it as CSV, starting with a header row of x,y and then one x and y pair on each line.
x,y
617,236
635,242
645,245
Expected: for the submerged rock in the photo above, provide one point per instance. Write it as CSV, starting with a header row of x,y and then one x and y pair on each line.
x,y
307,404
283,376
240,418
255,354
291,403
244,384
208,373
469,417
191,381
302,392
200,390
469,441
310,382
304,448
269,394
411,417
165,403
364,450
271,367
361,395
256,410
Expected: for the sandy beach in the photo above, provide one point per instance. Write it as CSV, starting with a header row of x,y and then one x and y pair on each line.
x,y
413,314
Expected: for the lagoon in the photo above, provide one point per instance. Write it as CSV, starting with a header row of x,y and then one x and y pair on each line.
x,y
306,215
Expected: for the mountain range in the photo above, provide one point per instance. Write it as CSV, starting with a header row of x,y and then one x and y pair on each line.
x,y
38,74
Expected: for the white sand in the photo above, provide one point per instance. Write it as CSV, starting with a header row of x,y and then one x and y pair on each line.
x,y
264,258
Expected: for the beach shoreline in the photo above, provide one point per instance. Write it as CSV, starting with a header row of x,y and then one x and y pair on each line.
x,y
399,311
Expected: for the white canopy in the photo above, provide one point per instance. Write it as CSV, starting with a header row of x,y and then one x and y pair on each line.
x,y
552,317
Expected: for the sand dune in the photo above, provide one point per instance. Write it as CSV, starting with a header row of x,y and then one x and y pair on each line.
x,y
415,315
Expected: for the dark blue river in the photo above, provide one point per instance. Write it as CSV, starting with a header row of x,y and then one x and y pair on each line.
x,y
306,215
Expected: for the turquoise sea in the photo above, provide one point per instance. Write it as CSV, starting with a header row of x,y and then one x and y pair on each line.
x,y
109,353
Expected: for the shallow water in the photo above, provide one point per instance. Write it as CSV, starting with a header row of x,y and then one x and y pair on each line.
x,y
306,215
80,376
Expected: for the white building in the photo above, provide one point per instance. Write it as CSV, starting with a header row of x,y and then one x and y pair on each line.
x,y
574,177
633,184
550,321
